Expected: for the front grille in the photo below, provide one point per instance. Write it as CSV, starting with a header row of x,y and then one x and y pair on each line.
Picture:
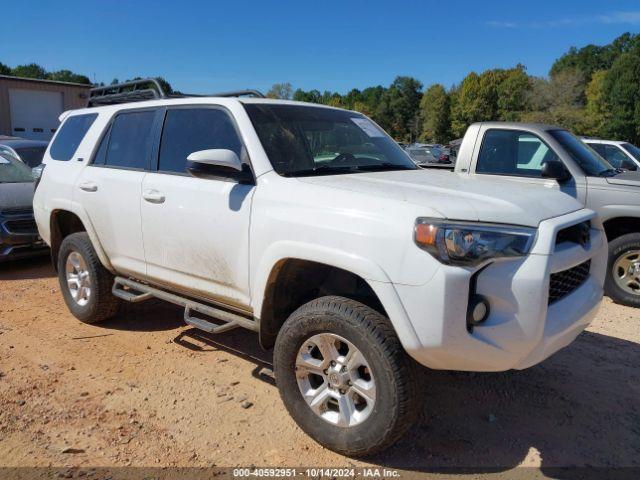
x,y
22,226
565,282
17,211
579,233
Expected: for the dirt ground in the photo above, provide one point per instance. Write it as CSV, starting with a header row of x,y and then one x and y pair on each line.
x,y
146,390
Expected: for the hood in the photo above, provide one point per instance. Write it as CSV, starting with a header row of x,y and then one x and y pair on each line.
x,y
14,195
459,196
627,178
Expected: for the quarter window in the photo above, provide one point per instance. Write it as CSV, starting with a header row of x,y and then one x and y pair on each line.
x,y
70,135
188,130
130,140
512,152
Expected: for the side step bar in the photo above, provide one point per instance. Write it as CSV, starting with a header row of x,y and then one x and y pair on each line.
x,y
132,291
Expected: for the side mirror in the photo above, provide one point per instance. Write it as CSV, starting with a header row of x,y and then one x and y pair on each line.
x,y
555,169
221,164
628,164
219,157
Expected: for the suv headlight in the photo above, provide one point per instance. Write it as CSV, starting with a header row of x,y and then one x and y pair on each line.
x,y
471,243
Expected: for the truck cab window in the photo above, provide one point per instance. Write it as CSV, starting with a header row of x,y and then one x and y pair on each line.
x,y
512,152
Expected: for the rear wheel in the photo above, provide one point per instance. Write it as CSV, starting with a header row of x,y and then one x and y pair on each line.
x,y
622,284
84,282
344,376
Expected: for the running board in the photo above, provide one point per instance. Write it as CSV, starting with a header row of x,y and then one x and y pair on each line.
x,y
138,292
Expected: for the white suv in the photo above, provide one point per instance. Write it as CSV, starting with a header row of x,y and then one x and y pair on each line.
x,y
311,226
619,154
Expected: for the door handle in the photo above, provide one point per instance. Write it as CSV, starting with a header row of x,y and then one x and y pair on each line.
x,y
153,196
89,187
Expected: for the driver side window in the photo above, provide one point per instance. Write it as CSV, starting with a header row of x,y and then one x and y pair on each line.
x,y
513,152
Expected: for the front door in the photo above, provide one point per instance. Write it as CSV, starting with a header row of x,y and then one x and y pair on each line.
x,y
196,231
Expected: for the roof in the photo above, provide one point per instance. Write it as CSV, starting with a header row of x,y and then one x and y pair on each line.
x,y
189,101
38,80
23,142
601,140
516,125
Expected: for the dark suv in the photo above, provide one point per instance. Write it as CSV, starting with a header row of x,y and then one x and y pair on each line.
x,y
18,232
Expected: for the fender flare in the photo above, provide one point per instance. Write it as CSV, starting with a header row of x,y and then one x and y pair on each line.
x,y
365,268
80,212
609,212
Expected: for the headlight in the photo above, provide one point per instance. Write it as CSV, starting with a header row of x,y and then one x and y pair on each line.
x,y
470,243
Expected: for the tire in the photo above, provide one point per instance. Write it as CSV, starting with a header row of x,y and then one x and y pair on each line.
x,y
396,404
99,304
621,249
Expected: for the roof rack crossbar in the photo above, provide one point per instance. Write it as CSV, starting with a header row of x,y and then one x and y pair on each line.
x,y
148,89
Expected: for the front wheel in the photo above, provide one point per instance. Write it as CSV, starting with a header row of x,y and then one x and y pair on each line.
x,y
622,283
344,376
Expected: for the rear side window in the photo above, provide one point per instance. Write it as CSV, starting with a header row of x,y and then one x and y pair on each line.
x,y
70,135
512,152
130,140
188,130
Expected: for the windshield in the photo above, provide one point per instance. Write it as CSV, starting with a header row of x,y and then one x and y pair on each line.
x,y
32,156
13,170
301,140
632,149
591,163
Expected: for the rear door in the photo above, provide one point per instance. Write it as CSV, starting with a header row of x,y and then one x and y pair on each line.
x,y
196,230
110,187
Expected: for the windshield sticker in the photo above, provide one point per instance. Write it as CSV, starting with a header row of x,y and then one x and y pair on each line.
x,y
368,127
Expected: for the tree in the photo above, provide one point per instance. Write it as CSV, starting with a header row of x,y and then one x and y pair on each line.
x,y
621,87
4,69
68,76
558,100
281,90
596,111
465,107
399,108
512,93
435,112
31,70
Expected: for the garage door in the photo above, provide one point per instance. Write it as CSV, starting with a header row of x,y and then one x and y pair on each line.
x,y
34,113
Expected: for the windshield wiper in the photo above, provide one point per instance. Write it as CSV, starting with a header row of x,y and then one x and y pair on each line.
x,y
322,169
383,166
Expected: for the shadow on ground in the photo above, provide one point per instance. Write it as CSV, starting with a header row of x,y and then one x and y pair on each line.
x,y
552,414
27,269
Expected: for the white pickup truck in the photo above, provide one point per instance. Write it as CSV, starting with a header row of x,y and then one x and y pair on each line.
x,y
311,226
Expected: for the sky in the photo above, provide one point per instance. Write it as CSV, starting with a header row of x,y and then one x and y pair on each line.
x,y
204,46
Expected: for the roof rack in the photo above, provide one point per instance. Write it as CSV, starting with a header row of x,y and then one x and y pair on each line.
x,y
148,89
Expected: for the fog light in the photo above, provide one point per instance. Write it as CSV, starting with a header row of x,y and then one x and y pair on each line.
x,y
477,312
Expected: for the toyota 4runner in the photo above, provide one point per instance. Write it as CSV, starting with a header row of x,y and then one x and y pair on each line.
x,y
312,227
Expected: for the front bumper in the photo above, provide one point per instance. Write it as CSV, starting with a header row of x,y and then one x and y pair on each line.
x,y
19,238
522,328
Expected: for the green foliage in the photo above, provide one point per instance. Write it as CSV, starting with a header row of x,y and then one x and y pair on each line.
x,y
283,91
596,111
68,76
434,113
621,89
31,70
4,69
592,58
558,100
